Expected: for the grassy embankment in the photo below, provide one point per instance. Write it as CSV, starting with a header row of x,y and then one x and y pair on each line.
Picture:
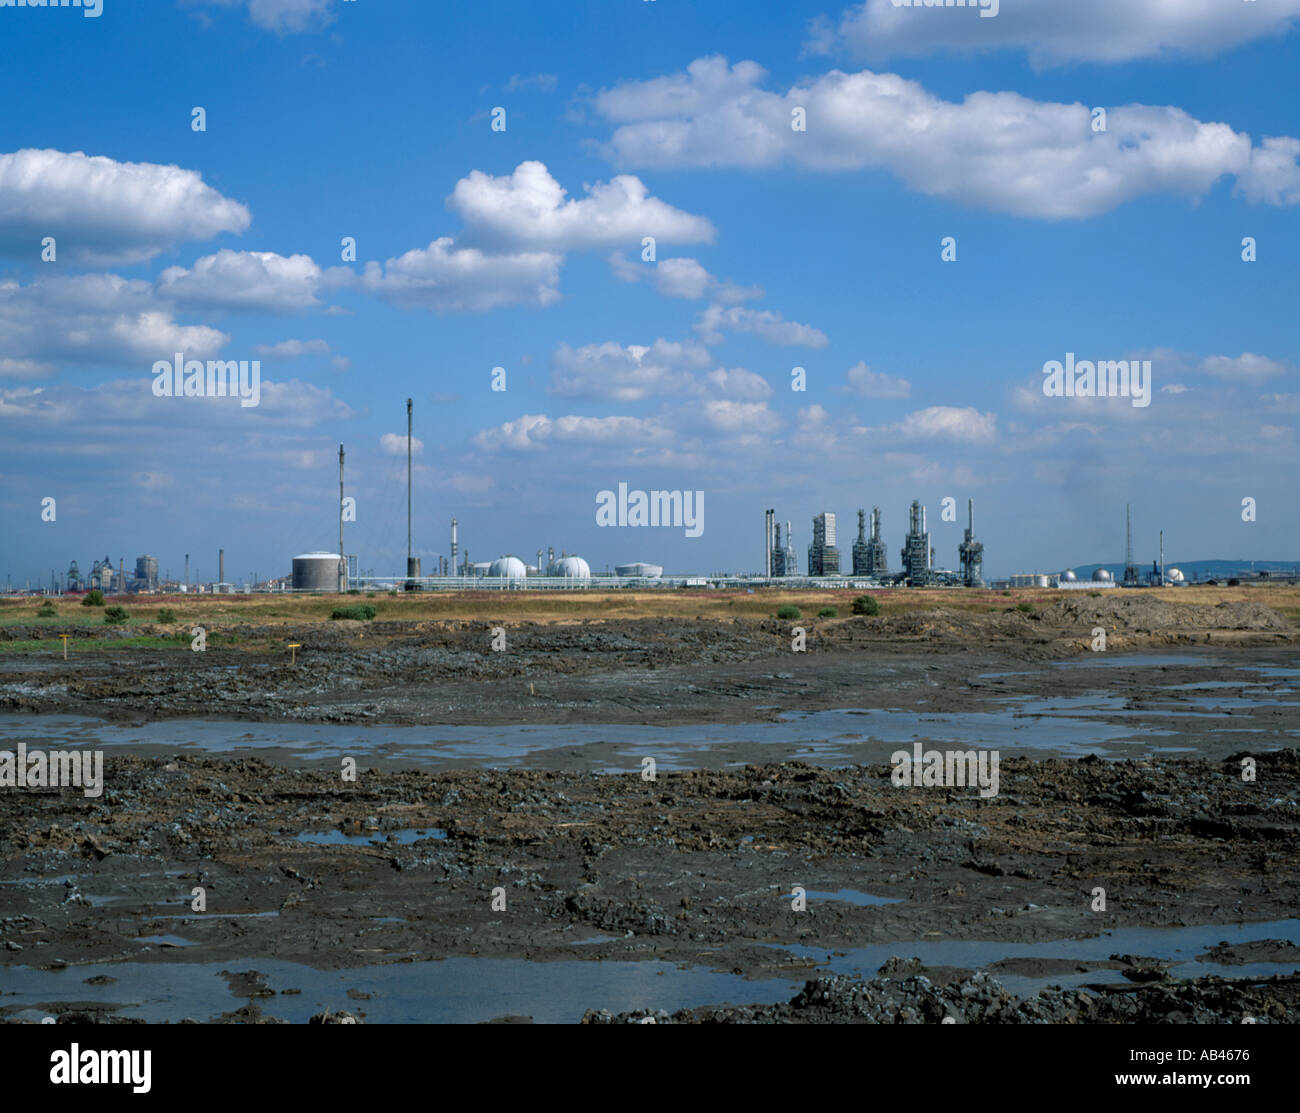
x,y
231,620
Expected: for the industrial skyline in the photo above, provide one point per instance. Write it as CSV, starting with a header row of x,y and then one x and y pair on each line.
x,y
920,562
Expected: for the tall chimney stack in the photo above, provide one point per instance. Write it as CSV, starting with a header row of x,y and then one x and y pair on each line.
x,y
343,560
412,563
221,566
454,570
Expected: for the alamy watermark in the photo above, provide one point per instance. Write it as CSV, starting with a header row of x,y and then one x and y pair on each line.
x,y
988,8
91,9
53,769
90,1067
1107,378
946,769
679,509
190,378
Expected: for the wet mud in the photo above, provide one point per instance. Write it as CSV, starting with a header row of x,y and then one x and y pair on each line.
x,y
576,855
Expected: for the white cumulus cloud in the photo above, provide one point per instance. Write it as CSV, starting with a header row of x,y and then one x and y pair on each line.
x,y
394,444
764,323
1053,32
529,210
860,379
956,423
993,150
250,281
102,211
450,279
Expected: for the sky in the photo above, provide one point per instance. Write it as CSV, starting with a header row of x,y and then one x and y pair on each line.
x,y
920,208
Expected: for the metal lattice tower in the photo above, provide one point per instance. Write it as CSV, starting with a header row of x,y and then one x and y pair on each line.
x,y
1130,569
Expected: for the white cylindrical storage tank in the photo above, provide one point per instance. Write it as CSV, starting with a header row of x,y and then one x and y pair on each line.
x,y
570,567
1041,581
479,567
639,568
508,567
316,572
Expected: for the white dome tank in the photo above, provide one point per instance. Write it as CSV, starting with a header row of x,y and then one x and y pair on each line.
x,y
1068,576
570,567
1101,576
508,567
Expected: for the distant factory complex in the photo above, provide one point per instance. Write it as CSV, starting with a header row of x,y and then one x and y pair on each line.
x,y
869,562
868,566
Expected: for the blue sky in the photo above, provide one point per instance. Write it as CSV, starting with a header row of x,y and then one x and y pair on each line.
x,y
521,249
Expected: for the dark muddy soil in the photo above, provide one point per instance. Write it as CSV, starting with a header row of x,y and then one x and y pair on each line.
x,y
699,866
979,999
643,670
695,867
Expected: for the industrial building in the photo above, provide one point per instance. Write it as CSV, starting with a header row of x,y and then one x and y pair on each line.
x,y
918,556
971,552
785,562
146,573
869,553
823,556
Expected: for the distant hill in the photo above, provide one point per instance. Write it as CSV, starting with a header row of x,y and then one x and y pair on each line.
x,y
1202,569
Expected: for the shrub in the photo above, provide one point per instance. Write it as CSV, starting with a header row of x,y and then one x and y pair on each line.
x,y
354,591
1026,608
828,612
46,610
362,612
93,599
370,594
115,615
866,604
167,615
789,611
393,594
1094,595
1006,593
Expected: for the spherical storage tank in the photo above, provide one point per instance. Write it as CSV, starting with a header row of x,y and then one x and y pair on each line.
x,y
1176,575
1101,576
316,572
508,567
570,567
1068,576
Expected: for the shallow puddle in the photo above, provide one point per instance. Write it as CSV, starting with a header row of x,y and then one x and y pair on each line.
x,y
1179,945
370,838
1068,726
453,990
851,896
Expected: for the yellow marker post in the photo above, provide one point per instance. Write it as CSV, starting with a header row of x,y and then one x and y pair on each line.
x,y
295,646
65,638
